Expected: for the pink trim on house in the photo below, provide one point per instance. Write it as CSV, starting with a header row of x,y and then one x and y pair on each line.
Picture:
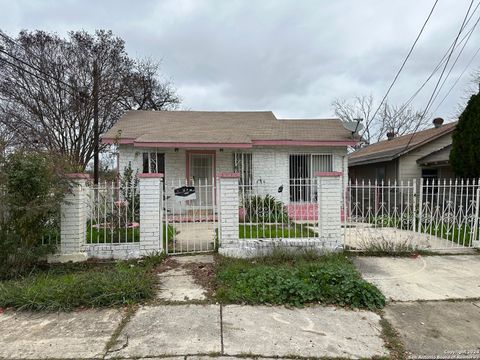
x,y
150,175
183,145
201,152
329,174
228,175
302,143
79,176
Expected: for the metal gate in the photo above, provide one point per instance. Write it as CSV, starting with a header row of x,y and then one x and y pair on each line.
x,y
419,214
189,216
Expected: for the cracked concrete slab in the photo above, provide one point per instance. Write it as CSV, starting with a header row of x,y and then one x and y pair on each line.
x,y
57,335
309,332
442,329
180,288
423,277
178,285
172,330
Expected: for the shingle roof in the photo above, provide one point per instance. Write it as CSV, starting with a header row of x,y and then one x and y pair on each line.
x,y
228,127
390,149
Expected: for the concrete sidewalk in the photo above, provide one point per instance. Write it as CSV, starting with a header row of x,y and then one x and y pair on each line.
x,y
423,277
192,330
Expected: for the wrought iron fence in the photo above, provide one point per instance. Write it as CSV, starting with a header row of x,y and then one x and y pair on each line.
x,y
420,214
277,211
113,213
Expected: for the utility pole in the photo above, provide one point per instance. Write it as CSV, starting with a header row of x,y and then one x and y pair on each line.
x,y
96,80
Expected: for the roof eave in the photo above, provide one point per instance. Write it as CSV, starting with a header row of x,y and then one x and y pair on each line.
x,y
401,153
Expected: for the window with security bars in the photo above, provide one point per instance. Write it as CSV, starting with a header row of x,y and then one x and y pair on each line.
x,y
242,164
153,162
302,170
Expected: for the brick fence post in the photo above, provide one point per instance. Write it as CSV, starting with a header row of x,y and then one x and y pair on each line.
x,y
73,221
330,197
228,212
151,210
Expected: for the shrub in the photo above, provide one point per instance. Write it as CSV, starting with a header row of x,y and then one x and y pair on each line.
x,y
34,192
296,281
260,209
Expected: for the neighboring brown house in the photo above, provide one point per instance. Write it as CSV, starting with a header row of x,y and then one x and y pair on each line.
x,y
424,154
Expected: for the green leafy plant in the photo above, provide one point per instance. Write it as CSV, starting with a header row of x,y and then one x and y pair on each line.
x,y
296,280
35,187
264,209
32,190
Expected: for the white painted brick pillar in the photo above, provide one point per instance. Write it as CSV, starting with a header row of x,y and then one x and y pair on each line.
x,y
73,221
330,197
228,209
151,209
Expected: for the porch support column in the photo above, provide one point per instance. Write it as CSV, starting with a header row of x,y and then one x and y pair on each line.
x,y
73,221
151,209
330,198
228,213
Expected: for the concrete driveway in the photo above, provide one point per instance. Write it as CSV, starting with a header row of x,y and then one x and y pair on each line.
x,y
423,277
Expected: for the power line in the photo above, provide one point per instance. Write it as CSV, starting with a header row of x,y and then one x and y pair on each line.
x,y
438,66
405,60
453,65
22,69
440,77
8,38
458,79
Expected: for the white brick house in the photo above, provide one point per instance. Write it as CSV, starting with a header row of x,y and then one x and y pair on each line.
x,y
197,145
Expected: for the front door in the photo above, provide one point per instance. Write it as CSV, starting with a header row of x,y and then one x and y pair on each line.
x,y
201,175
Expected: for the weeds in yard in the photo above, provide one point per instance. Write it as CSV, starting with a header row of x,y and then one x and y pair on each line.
x,y
82,285
288,278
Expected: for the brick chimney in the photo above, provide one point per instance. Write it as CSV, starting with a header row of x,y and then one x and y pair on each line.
x,y
390,135
437,122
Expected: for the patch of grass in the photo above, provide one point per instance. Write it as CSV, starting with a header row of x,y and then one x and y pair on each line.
x,y
67,287
275,231
120,235
292,279
112,236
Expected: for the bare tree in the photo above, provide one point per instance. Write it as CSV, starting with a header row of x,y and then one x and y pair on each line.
x,y
49,103
399,119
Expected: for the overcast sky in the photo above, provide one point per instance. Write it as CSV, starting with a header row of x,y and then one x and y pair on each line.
x,y
293,57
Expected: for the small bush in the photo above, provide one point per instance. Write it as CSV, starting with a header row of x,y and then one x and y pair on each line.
x,y
330,279
265,209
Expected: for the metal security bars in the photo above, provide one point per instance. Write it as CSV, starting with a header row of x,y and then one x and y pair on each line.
x,y
242,164
113,214
267,211
189,216
417,214
302,168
